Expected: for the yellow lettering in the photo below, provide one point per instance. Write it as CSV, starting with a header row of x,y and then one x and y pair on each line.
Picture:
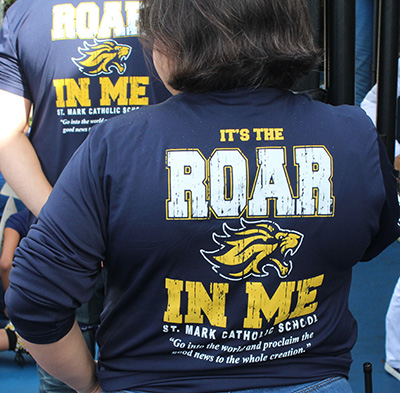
x,y
59,85
77,92
222,139
138,90
279,134
306,296
259,301
173,314
269,134
258,133
199,302
230,134
244,134
119,90
274,309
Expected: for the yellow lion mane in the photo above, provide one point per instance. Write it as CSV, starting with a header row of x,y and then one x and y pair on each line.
x,y
101,57
252,248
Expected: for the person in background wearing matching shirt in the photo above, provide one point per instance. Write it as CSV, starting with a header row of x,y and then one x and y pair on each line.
x,y
77,63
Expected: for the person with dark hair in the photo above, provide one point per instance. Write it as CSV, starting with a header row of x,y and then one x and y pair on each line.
x,y
228,217
264,52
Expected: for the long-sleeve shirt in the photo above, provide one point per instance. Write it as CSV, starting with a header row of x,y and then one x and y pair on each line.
x,y
228,223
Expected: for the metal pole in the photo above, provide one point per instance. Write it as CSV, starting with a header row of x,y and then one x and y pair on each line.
x,y
311,83
341,15
368,377
375,43
388,49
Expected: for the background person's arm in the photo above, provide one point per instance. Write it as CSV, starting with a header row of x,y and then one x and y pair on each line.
x,y
56,272
19,163
68,360
10,243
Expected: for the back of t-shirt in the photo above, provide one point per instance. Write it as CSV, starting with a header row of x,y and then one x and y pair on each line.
x,y
80,63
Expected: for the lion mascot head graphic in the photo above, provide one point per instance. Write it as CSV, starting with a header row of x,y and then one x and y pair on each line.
x,y
252,249
102,58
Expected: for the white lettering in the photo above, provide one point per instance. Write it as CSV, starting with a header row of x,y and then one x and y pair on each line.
x,y
272,183
315,181
86,22
187,172
228,183
220,185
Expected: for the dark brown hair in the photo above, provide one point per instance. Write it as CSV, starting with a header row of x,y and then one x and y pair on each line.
x,y
228,44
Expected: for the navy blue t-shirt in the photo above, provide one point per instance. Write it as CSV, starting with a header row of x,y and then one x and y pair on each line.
x,y
80,63
228,239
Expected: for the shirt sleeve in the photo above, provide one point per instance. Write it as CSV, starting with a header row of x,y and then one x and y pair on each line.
x,y
369,103
57,265
19,222
12,78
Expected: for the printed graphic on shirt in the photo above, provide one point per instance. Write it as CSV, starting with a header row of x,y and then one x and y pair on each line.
x,y
275,324
97,95
252,312
103,57
253,250
88,20
199,187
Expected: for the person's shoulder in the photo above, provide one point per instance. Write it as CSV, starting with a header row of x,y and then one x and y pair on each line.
x,y
22,13
131,125
352,113
22,215
20,7
320,105
18,220
346,125
341,114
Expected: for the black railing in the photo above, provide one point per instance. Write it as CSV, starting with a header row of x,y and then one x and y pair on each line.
x,y
340,40
334,22
387,59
